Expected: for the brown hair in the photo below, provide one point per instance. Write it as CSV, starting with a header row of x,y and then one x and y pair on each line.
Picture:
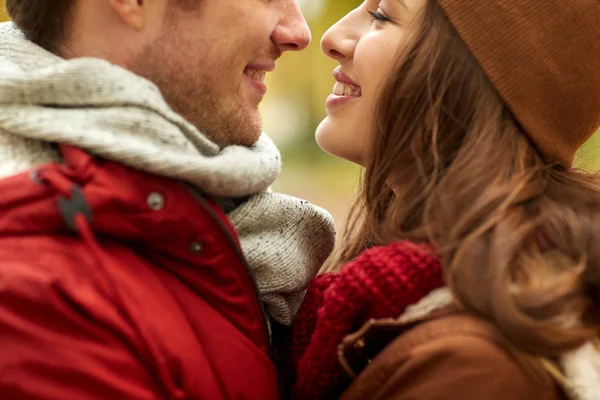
x,y
518,237
41,21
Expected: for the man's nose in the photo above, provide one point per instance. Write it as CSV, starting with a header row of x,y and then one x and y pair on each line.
x,y
292,32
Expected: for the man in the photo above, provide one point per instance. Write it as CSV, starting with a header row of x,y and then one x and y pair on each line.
x,y
143,256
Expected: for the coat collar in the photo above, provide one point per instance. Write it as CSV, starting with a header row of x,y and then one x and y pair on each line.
x,y
580,366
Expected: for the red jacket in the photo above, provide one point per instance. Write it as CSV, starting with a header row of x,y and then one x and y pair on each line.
x,y
116,284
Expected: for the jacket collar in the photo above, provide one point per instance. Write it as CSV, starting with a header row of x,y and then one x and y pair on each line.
x,y
580,366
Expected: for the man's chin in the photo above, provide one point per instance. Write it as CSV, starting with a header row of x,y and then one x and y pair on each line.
x,y
249,129
246,139
242,134
234,127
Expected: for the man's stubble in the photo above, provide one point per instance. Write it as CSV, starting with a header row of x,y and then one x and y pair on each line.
x,y
194,89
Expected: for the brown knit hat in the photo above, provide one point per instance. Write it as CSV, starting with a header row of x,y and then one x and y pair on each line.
x,y
543,57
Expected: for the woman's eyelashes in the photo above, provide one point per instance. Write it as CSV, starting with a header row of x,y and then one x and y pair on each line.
x,y
379,16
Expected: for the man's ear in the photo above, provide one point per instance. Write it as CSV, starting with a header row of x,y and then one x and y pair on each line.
x,y
131,12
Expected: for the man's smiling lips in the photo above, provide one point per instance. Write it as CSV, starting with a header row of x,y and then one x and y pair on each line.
x,y
255,74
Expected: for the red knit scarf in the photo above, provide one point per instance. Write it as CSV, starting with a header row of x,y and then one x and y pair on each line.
x,y
380,283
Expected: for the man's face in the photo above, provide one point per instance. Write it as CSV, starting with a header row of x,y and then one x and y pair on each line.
x,y
210,60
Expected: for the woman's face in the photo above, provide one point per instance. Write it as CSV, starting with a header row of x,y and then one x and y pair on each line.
x,y
365,43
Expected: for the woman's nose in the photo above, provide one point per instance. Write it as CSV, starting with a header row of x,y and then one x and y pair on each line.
x,y
340,40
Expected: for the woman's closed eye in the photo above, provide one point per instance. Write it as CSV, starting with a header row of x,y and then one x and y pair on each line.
x,y
379,16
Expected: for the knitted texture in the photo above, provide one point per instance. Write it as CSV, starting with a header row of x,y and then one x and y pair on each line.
x,y
542,57
113,113
380,283
288,240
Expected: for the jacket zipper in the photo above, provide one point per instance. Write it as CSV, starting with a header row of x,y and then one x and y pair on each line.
x,y
242,258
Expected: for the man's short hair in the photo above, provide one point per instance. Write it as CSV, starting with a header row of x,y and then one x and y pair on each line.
x,y
41,21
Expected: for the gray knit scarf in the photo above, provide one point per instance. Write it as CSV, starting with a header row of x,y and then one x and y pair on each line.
x,y
120,116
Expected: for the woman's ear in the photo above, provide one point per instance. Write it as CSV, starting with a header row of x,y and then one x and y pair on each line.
x,y
132,12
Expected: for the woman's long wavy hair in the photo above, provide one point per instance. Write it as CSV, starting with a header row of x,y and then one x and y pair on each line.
x,y
519,238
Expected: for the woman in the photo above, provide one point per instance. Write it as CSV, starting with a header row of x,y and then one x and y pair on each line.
x,y
471,264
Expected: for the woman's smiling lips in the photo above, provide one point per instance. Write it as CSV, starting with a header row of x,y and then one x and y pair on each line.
x,y
344,90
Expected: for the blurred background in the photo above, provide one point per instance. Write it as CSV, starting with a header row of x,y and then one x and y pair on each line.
x,y
294,106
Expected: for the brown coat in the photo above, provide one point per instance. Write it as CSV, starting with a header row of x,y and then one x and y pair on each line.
x,y
448,356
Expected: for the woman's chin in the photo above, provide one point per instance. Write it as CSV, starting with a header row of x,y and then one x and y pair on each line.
x,y
328,138
321,135
337,142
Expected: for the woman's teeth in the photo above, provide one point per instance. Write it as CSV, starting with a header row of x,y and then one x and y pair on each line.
x,y
344,89
256,75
